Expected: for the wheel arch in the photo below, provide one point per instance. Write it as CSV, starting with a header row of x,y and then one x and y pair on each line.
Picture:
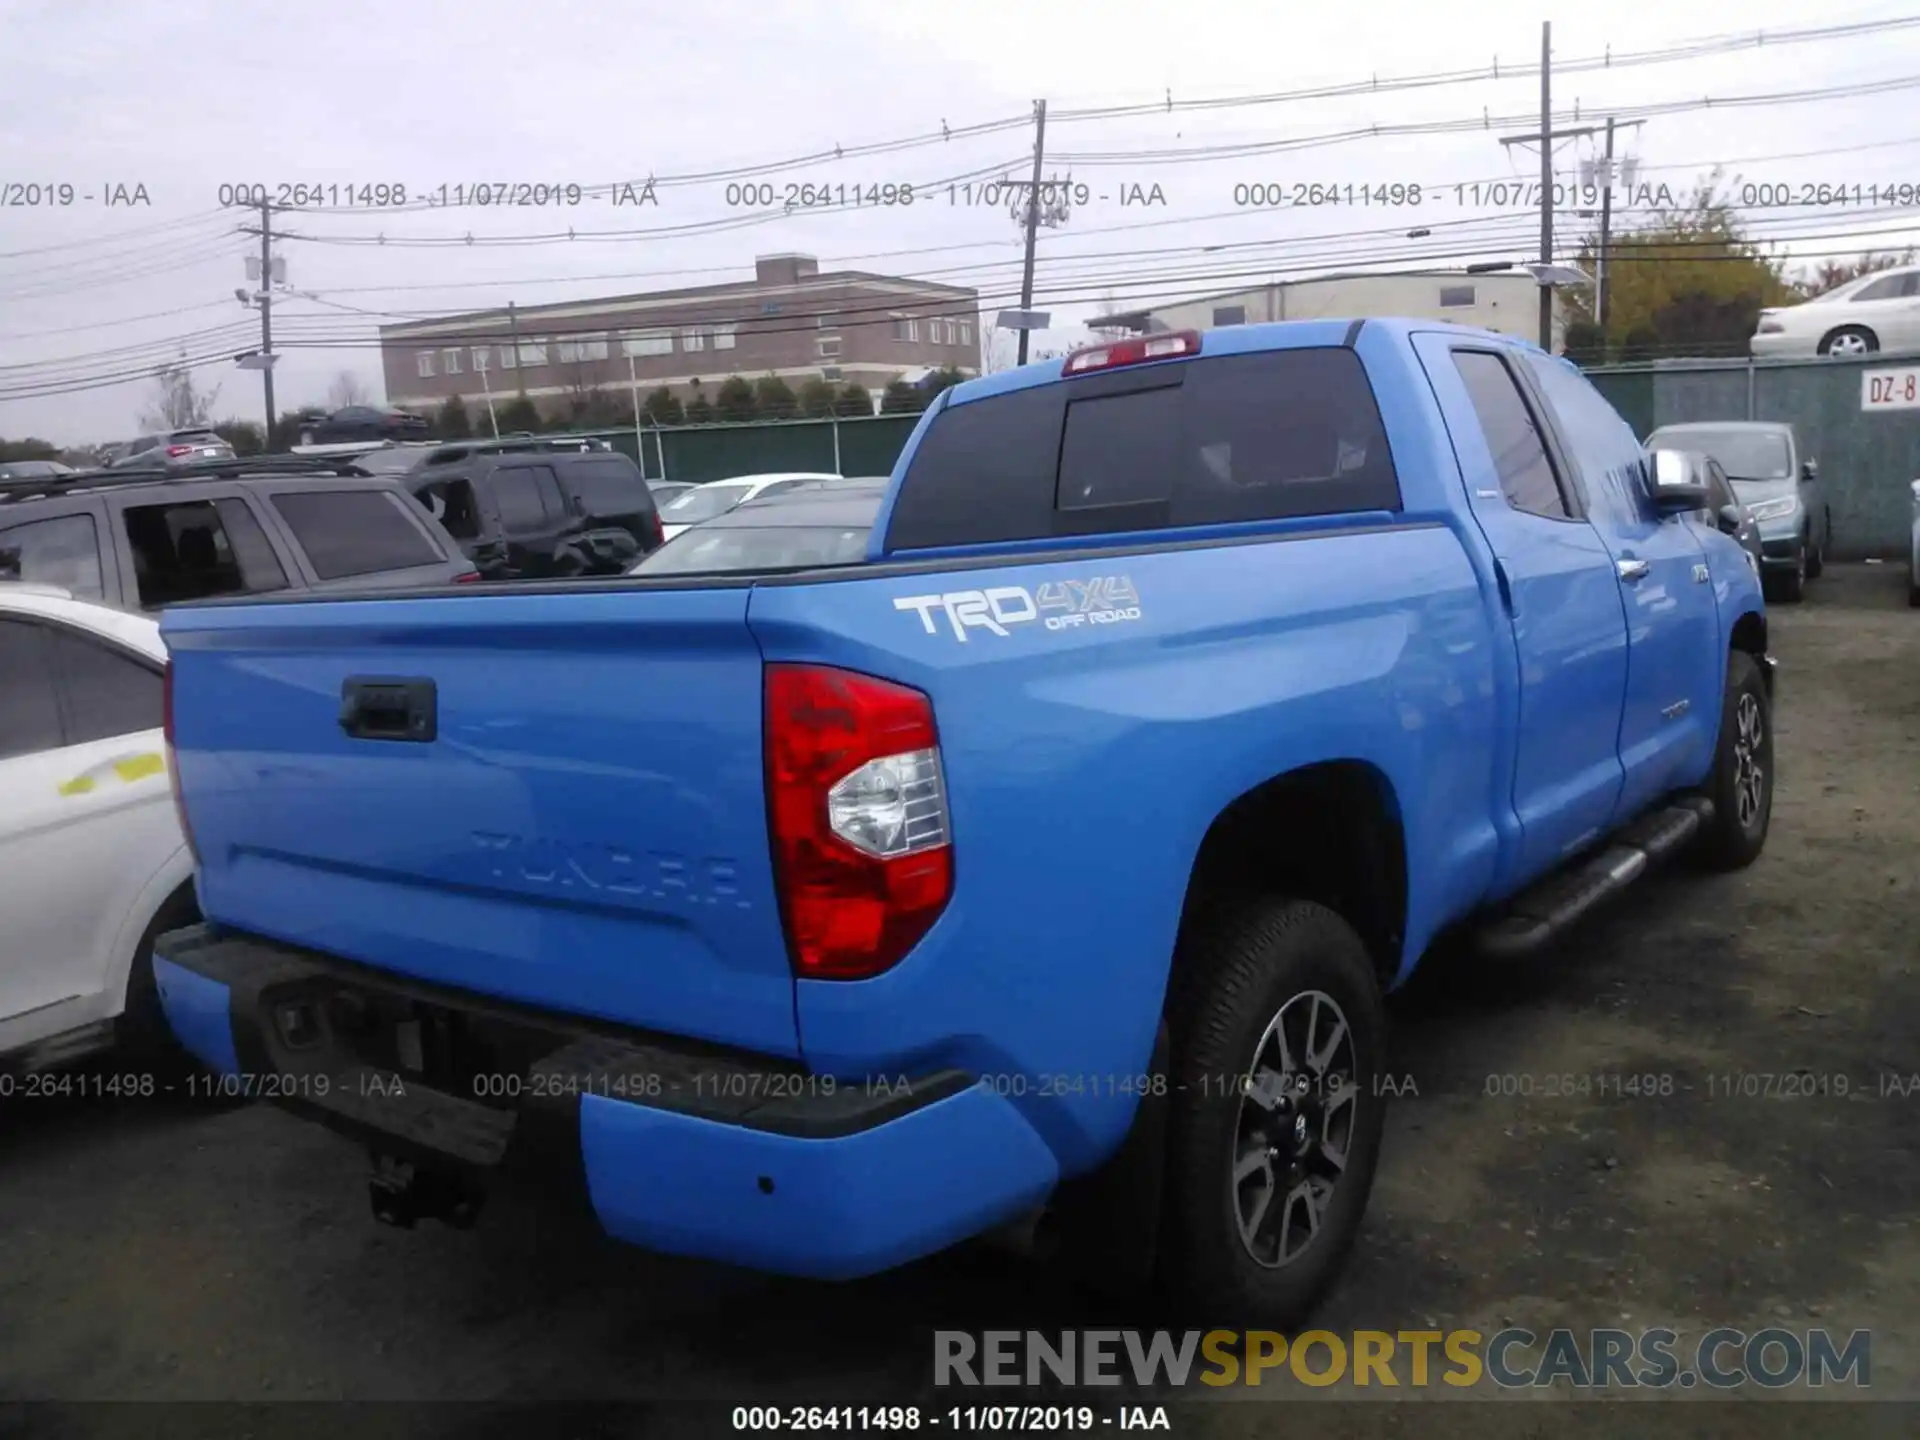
x,y
1331,832
1749,634
171,888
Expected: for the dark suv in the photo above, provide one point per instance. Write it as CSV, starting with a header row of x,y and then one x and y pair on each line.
x,y
234,527
542,513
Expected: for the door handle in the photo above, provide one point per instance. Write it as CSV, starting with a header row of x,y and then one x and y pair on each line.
x,y
1632,570
382,709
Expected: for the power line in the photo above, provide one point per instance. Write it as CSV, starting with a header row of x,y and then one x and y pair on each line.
x,y
1129,278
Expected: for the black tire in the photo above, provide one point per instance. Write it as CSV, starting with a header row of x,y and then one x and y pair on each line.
x,y
1868,339
1741,814
1240,969
1913,595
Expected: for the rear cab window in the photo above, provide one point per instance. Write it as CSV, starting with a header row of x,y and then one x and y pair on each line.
x,y
1274,435
354,532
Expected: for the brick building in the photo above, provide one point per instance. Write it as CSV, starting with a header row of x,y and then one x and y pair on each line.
x,y
790,320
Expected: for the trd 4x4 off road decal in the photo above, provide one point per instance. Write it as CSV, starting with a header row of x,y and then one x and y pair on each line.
x,y
1058,604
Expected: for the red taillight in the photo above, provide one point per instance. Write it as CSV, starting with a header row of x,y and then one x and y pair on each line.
x,y
173,450
1133,352
173,761
471,577
861,848
659,530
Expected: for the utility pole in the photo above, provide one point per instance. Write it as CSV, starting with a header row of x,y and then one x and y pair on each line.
x,y
1606,226
1545,140
266,310
513,328
1546,182
1033,215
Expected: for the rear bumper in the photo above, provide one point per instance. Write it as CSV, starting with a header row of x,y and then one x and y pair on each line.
x,y
666,1144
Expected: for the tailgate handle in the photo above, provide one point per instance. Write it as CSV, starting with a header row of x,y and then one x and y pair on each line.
x,y
377,708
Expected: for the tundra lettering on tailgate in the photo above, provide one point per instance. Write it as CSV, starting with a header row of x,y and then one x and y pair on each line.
x,y
585,865
1061,604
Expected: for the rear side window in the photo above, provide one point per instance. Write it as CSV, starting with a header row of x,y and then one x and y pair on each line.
x,y
608,486
528,499
29,705
63,551
1277,435
107,693
354,532
195,549
1519,453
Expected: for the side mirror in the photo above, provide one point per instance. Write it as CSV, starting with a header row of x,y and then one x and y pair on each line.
x,y
1731,519
1677,487
1809,470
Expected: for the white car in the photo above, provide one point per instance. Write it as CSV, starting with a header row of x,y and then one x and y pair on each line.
x,y
1875,312
93,864
717,497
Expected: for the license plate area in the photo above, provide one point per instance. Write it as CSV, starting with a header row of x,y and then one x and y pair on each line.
x,y
323,1025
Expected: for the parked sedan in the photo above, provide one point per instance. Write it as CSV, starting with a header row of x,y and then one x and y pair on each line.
x,y
1778,483
808,525
92,860
1875,312
717,497
365,422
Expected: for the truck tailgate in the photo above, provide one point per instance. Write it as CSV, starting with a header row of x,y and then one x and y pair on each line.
x,y
585,830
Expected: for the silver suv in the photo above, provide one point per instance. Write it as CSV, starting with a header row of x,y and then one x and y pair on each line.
x,y
173,448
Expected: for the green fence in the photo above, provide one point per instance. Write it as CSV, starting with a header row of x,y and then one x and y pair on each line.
x,y
858,445
1867,458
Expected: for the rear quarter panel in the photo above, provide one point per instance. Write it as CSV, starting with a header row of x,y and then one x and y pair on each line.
x,y
1085,766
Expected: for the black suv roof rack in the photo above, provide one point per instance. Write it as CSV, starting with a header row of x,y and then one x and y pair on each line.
x,y
450,450
24,489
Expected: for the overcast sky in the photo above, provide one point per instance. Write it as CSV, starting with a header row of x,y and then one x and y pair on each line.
x,y
177,100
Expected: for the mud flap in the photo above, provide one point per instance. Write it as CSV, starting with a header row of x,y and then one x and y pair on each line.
x,y
1109,1220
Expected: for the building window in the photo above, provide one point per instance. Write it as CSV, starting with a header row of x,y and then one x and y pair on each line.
x,y
769,307
532,353
823,322
648,342
693,340
481,355
905,327
450,362
506,357
1456,297
1229,315
425,361
570,351
723,337
966,333
829,347
830,372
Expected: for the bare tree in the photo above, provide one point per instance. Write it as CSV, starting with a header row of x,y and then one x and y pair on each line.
x,y
1831,274
347,389
179,403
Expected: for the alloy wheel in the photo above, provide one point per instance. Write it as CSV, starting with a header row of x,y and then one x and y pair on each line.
x,y
1848,344
1749,771
1297,1119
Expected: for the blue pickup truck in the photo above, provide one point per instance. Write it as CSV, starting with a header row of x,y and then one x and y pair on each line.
x,y
1040,876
